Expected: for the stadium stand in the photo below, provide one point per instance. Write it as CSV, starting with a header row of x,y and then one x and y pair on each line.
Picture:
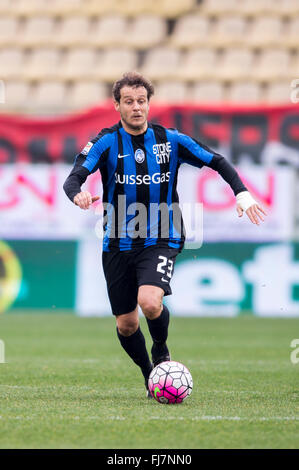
x,y
278,92
171,92
108,31
12,63
190,31
72,31
208,92
244,92
216,8
198,64
229,31
146,31
48,96
79,63
235,64
291,34
247,47
42,64
86,93
17,94
114,62
8,30
38,31
272,64
171,8
162,63
266,31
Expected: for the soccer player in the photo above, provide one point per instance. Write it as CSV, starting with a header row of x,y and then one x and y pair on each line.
x,y
139,165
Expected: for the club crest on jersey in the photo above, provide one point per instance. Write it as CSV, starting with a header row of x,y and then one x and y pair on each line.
x,y
139,156
86,149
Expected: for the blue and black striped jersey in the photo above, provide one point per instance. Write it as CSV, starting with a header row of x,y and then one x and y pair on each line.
x,y
142,169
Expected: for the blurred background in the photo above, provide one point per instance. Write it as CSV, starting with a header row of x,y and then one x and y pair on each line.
x,y
225,72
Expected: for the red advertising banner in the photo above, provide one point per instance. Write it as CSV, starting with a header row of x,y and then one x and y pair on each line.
x,y
259,134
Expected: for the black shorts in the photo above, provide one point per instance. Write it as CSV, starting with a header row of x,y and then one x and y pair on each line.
x,y
126,271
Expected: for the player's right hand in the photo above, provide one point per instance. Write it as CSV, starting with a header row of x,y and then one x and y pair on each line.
x,y
84,199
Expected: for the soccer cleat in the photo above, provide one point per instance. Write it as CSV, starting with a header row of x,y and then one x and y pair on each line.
x,y
148,394
160,353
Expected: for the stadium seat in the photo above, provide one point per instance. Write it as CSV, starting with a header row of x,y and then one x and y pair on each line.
x,y
145,31
5,7
272,64
177,42
110,30
43,63
73,31
29,8
171,92
12,62
79,63
292,34
162,63
266,31
38,31
96,8
255,8
65,8
49,97
114,62
132,8
235,64
9,28
293,71
278,92
171,8
198,64
191,31
86,93
218,8
207,92
229,31
244,92
285,8
17,95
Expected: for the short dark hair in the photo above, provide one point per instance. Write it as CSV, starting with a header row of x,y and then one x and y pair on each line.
x,y
133,79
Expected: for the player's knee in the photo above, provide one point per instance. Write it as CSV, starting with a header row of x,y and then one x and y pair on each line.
x,y
151,307
127,328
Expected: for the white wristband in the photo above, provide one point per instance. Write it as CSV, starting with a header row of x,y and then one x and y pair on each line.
x,y
245,200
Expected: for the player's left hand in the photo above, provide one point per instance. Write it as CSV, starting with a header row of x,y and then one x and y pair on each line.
x,y
254,213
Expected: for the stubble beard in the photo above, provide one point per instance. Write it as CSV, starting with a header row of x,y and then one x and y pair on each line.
x,y
135,127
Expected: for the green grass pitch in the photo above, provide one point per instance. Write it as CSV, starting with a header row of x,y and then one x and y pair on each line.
x,y
67,383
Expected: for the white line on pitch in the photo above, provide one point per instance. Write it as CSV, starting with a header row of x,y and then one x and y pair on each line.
x,y
164,418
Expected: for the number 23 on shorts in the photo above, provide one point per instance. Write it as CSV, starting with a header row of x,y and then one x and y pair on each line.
x,y
165,266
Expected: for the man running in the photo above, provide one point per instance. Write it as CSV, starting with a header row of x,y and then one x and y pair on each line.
x,y
139,165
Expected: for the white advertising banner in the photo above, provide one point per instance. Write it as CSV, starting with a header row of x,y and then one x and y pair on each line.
x,y
219,279
34,205
272,188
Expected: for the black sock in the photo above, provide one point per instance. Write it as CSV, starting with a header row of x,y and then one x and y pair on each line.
x,y
158,327
134,345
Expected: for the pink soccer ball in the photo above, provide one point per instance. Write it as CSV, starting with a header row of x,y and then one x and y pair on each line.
x,y
170,382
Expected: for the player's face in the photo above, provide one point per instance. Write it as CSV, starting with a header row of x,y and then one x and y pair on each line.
x,y
133,108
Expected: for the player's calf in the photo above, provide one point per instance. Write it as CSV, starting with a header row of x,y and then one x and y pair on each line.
x,y
158,329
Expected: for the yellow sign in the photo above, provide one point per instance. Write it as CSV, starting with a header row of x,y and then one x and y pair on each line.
x,y
10,276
